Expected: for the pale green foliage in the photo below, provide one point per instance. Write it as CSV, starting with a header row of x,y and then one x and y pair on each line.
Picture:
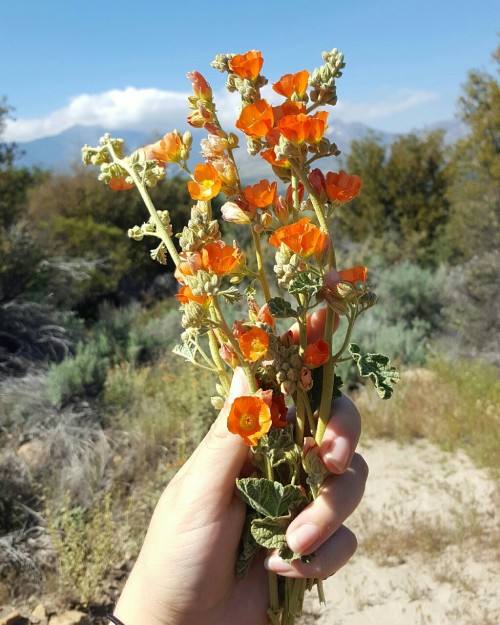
x,y
453,403
79,375
407,314
84,541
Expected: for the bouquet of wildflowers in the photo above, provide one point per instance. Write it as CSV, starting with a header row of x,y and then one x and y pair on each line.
x,y
284,370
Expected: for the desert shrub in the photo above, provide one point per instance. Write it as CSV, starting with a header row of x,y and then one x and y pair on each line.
x,y
472,308
80,375
407,314
148,340
83,540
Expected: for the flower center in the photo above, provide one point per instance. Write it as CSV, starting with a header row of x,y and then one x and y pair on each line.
x,y
247,421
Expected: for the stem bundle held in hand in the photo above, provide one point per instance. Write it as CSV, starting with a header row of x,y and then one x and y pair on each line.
x,y
282,370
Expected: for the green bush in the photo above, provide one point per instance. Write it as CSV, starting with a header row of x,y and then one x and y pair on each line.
x,y
407,314
81,375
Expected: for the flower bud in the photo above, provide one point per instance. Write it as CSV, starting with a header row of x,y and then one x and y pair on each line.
x,y
236,214
266,219
306,381
217,402
201,87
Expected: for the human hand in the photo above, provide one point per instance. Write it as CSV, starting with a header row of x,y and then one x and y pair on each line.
x,y
185,573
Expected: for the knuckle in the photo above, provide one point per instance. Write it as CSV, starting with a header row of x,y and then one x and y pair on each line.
x,y
360,466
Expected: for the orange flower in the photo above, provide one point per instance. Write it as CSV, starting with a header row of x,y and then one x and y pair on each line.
x,y
250,417
291,84
167,150
261,194
256,119
317,354
120,184
279,411
247,65
220,258
270,156
289,107
303,128
302,237
353,275
264,315
289,194
206,183
254,344
185,295
341,187
189,265
228,354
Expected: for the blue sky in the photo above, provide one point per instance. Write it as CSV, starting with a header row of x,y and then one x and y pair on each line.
x,y
65,62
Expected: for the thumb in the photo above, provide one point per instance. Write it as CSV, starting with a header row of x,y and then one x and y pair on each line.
x,y
218,459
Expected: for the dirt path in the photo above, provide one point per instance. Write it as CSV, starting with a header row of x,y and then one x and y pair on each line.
x,y
429,544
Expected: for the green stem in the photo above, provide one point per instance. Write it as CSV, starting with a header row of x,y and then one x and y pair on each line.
x,y
160,228
219,363
347,337
219,317
300,419
328,380
260,266
318,209
295,196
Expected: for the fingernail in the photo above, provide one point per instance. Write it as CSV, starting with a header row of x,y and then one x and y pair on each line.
x,y
304,537
337,456
276,564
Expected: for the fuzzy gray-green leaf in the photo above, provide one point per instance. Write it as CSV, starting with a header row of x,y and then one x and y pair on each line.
x,y
378,368
270,532
271,499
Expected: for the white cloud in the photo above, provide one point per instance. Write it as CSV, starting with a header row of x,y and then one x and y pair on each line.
x,y
147,109
131,108
366,112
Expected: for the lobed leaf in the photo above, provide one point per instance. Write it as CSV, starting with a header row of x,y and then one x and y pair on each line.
x,y
306,283
281,308
378,368
271,499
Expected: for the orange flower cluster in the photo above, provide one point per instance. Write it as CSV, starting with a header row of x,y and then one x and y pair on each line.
x,y
250,417
302,237
220,258
303,128
185,295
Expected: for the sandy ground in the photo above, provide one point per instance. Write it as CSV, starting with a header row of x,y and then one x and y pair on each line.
x,y
429,544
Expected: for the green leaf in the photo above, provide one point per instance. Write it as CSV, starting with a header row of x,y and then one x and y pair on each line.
x,y
306,283
231,295
378,368
281,309
248,547
281,447
160,253
270,531
187,350
271,499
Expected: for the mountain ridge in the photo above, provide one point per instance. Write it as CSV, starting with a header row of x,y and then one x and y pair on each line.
x,y
59,153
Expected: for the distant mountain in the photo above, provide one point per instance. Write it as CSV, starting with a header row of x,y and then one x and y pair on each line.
x,y
61,152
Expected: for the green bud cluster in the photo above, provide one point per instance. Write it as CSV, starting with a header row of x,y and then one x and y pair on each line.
x,y
322,80
286,362
199,231
194,316
204,283
149,228
287,266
